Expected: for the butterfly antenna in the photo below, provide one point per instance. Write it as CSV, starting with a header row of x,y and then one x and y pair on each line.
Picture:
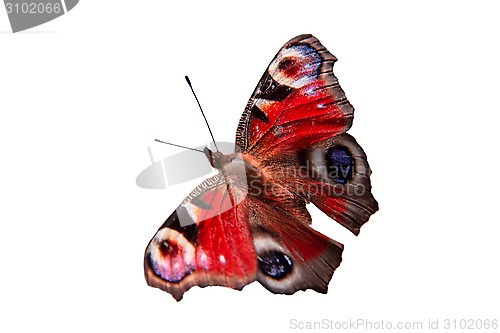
x,y
173,144
199,105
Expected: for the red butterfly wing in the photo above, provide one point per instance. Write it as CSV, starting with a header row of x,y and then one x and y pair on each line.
x,y
298,102
337,180
291,255
206,241
294,124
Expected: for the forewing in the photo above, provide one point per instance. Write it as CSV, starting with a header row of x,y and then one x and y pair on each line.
x,y
297,102
206,241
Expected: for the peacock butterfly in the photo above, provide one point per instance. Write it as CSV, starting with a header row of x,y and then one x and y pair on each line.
x,y
249,222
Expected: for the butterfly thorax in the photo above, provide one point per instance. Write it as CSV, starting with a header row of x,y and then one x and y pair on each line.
x,y
238,168
218,160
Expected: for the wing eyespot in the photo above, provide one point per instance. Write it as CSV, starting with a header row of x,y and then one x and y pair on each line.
x,y
168,248
275,264
286,62
289,67
171,256
340,164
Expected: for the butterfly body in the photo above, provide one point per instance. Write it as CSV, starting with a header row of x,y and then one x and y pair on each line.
x,y
249,222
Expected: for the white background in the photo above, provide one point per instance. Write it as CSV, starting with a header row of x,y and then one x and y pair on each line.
x,y
83,96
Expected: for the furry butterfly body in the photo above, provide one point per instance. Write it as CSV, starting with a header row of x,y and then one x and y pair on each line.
x,y
249,222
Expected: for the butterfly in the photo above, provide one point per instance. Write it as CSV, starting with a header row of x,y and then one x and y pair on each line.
x,y
249,222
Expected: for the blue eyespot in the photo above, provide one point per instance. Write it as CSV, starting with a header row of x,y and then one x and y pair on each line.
x,y
275,264
340,164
